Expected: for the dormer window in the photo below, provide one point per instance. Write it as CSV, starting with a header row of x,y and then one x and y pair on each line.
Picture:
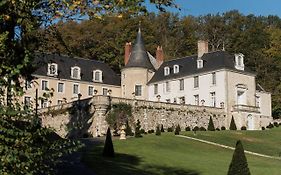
x,y
76,72
176,69
239,61
166,71
200,63
97,75
52,69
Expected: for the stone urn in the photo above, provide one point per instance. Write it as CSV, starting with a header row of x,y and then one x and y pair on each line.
x,y
123,133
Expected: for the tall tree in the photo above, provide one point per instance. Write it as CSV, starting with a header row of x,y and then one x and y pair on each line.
x,y
108,149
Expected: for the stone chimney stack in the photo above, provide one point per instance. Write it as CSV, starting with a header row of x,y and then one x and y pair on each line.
x,y
202,48
128,49
159,55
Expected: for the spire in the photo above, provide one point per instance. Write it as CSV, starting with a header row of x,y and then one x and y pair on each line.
x,y
139,56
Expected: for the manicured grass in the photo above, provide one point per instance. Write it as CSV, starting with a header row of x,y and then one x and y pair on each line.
x,y
265,142
170,155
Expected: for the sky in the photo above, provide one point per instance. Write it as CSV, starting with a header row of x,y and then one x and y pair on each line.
x,y
246,7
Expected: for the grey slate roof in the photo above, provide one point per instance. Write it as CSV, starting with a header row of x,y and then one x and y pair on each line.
x,y
64,68
139,56
188,66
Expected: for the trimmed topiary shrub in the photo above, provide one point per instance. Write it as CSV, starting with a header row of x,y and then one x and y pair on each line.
x,y
262,128
177,130
158,131
108,150
232,124
150,131
239,163
128,130
276,124
223,128
170,129
137,131
196,128
211,126
142,131
270,126
217,129
187,128
162,128
202,128
243,128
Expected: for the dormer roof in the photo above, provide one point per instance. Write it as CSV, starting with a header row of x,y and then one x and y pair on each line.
x,y
139,56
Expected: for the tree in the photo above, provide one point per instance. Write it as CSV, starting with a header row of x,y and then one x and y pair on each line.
x,y
232,124
108,150
211,126
162,128
128,130
238,165
158,132
177,130
137,131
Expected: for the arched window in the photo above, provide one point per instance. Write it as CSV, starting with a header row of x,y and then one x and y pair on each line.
x,y
52,69
75,72
97,75
176,69
166,71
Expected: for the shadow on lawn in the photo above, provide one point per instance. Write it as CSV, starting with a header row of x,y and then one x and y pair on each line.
x,y
124,164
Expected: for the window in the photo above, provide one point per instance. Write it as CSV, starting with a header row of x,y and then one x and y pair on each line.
x,y
52,69
168,88
44,85
196,82
156,89
166,71
60,87
200,63
138,90
239,61
75,88
176,69
104,91
27,102
44,103
214,81
60,102
196,99
213,99
97,75
90,90
75,72
182,100
28,84
257,101
181,84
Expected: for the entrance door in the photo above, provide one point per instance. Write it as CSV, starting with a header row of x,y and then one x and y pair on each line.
x,y
250,122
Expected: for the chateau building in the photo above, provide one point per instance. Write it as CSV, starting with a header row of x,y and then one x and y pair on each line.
x,y
214,79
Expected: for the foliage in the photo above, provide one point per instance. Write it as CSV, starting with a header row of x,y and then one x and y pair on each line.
x,y
202,128
150,131
177,130
223,128
158,131
187,128
162,128
128,130
170,129
232,124
196,128
137,130
243,128
238,163
270,125
108,149
119,115
211,126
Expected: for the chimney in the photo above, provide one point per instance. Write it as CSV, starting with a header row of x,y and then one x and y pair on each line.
x,y
202,48
128,49
159,55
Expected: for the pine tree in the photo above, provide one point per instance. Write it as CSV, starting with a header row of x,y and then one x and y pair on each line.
x,y
108,150
158,132
232,124
162,128
238,165
211,126
178,129
128,129
137,131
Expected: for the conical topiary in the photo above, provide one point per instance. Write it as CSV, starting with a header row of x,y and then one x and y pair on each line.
x,y
162,128
158,132
177,130
128,130
211,126
137,131
238,165
108,150
232,124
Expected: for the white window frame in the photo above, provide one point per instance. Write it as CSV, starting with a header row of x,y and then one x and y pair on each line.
x,y
176,69
92,92
45,88
196,82
213,78
166,71
103,90
239,61
155,89
73,89
99,79
50,73
213,99
196,99
24,101
59,86
181,82
200,63
44,103
136,92
78,73
168,86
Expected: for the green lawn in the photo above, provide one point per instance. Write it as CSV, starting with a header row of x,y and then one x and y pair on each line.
x,y
265,142
170,155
